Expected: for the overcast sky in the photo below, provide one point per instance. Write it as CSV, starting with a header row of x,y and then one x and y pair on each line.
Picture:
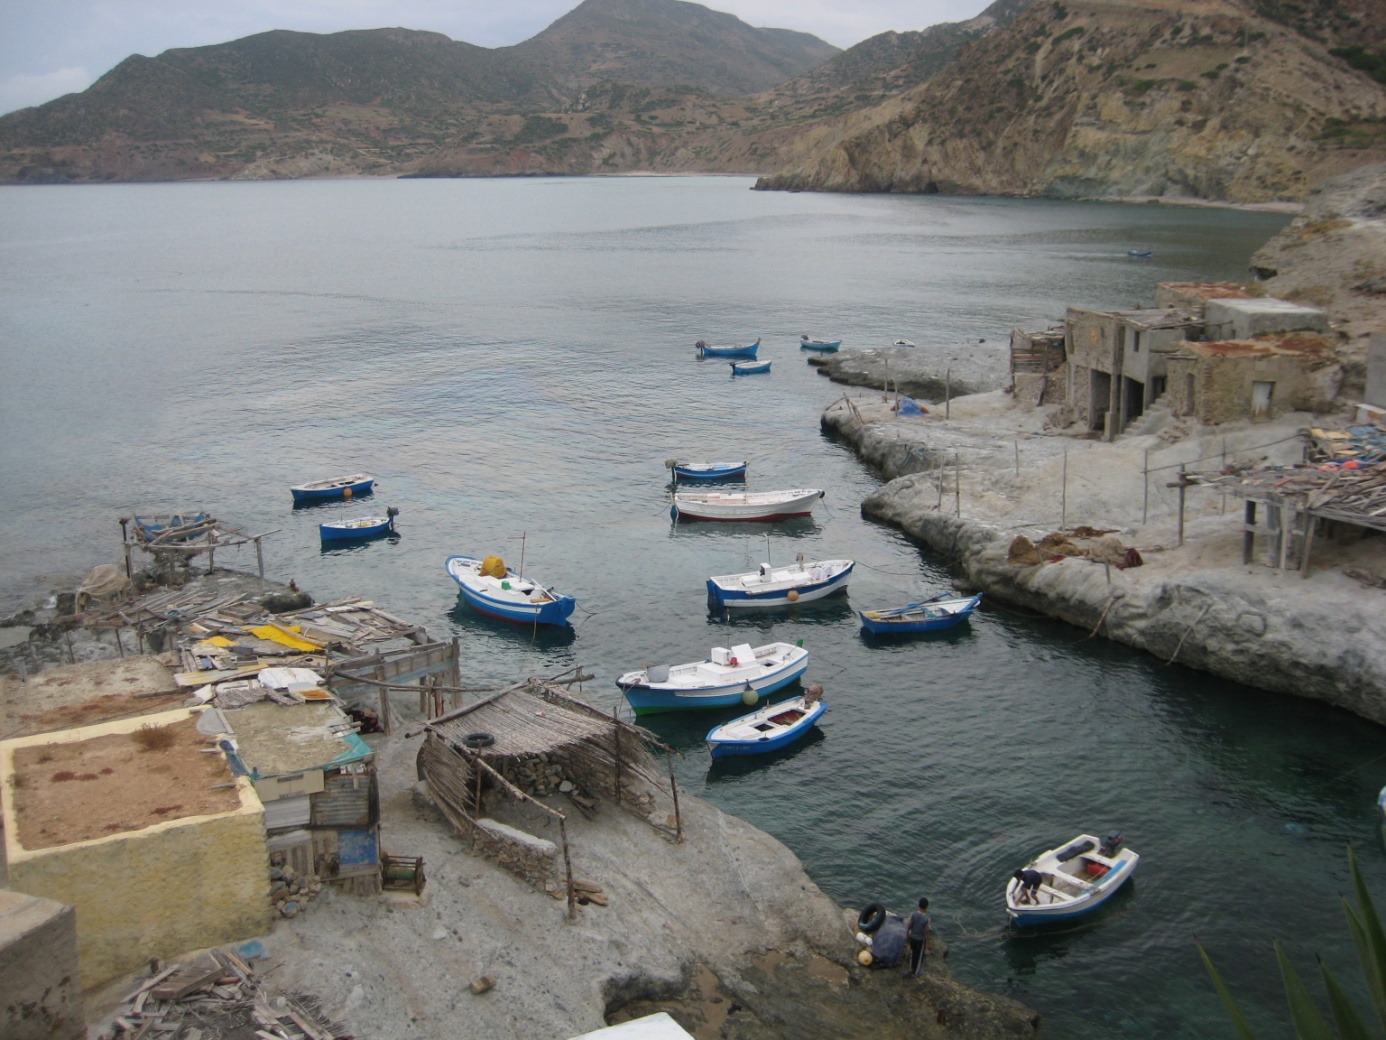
x,y
53,47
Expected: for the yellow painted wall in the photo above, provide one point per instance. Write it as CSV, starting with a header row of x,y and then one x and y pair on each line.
x,y
158,892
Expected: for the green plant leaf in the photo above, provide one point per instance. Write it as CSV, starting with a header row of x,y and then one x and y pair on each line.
x,y
1234,1013
1371,946
1345,1016
1304,1013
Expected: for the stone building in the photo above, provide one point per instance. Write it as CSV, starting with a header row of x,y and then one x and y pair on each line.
x,y
1253,378
1117,361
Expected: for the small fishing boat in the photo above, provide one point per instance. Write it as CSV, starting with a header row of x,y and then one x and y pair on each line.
x,y
749,368
827,346
801,582
1140,252
744,505
707,470
739,675
768,728
748,351
492,588
338,487
1075,879
361,527
930,615
903,343
169,529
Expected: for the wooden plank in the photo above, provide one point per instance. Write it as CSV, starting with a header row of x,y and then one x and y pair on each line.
x,y
189,978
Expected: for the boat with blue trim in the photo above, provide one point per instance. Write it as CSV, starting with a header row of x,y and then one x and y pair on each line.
x,y
493,589
744,505
930,615
707,470
768,728
359,528
337,487
728,676
747,351
1067,882
801,582
825,346
749,368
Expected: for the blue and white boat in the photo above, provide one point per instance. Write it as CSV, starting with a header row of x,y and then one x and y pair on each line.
x,y
826,346
338,487
930,615
1075,879
707,470
359,528
749,368
492,588
707,350
801,582
768,728
739,675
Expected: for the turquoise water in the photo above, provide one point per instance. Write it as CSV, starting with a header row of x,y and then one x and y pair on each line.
x,y
514,358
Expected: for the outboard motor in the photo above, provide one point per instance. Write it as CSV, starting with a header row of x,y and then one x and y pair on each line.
x,y
1110,844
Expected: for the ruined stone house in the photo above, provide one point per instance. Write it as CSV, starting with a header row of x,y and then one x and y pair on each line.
x,y
1257,378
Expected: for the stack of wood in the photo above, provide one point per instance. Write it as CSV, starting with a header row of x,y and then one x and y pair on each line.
x,y
216,994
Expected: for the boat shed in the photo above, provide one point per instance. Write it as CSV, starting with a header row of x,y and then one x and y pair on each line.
x,y
1259,378
1193,297
495,765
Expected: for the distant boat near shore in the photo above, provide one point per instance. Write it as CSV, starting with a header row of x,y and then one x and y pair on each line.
x,y
337,487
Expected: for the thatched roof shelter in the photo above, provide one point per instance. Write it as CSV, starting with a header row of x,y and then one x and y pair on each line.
x,y
533,741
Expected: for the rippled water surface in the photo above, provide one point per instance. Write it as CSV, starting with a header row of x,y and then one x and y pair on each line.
x,y
515,357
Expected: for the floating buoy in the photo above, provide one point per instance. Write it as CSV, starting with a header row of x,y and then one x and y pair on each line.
x,y
864,958
794,595
749,697
346,492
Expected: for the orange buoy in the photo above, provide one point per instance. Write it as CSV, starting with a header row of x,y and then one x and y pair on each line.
x,y
346,492
794,595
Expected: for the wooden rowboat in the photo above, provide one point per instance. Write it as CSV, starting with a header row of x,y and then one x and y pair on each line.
x,y
744,505
707,470
338,487
930,615
749,368
1075,879
707,350
492,588
766,729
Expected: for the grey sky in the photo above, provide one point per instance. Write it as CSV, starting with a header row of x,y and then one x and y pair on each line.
x,y
54,47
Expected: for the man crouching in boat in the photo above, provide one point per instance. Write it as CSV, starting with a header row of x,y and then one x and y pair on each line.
x,y
1030,881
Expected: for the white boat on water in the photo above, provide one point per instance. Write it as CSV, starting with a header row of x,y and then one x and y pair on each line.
x,y
801,582
744,505
741,674
1074,879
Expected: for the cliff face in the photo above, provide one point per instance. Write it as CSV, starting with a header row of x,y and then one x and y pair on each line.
x,y
1117,98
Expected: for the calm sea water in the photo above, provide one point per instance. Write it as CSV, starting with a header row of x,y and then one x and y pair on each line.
x,y
513,359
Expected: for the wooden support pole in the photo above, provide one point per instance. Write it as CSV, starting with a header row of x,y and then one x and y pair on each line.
x,y
568,869
1249,532
957,485
1063,494
260,557
1145,489
947,391
674,789
1183,484
1308,543
618,760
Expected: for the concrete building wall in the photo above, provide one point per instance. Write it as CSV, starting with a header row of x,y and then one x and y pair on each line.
x,y
1243,319
1376,370
1221,389
157,892
1089,337
40,991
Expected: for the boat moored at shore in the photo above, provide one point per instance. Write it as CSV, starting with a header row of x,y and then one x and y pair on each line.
x,y
740,674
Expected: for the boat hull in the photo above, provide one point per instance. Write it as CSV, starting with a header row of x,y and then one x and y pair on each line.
x,y
356,529
708,684
1071,899
325,490
930,616
757,734
748,351
524,602
778,587
822,345
749,368
732,505
710,471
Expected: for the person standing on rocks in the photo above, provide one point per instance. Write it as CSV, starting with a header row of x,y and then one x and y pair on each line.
x,y
917,932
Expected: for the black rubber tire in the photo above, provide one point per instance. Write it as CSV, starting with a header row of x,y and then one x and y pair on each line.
x,y
871,918
478,740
